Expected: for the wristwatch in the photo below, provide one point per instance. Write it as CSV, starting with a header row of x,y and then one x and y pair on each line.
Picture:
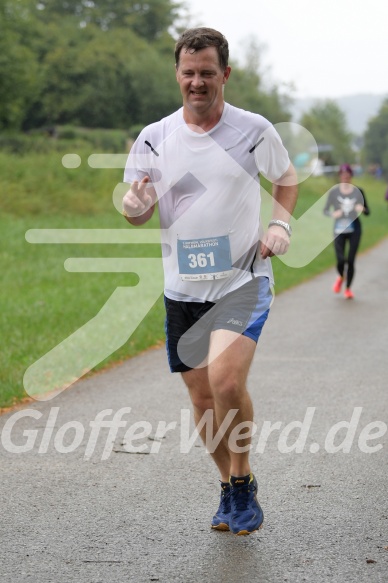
x,y
285,226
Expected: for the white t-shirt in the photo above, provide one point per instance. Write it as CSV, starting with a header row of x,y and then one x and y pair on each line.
x,y
208,192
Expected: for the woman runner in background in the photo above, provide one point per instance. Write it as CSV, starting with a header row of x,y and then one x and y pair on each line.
x,y
344,203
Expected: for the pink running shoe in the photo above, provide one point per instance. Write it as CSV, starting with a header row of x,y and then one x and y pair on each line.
x,y
348,294
337,285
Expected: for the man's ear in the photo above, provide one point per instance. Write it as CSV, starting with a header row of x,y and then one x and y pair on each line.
x,y
227,74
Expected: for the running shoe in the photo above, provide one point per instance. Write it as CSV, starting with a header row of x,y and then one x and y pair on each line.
x,y
348,294
222,516
337,285
246,513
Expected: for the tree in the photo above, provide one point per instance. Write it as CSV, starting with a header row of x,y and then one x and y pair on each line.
x,y
147,18
96,78
246,87
376,139
103,63
19,76
102,76
327,123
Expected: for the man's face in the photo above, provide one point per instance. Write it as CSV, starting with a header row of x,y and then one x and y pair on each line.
x,y
201,79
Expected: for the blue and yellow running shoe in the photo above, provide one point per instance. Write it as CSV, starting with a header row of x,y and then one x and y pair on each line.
x,y
246,514
222,516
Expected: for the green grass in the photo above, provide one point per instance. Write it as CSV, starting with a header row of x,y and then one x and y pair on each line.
x,y
42,303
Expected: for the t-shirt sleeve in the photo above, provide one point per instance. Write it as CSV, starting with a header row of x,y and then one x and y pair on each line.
x,y
329,203
271,156
135,168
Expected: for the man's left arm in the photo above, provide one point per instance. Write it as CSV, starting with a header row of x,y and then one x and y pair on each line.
x,y
285,193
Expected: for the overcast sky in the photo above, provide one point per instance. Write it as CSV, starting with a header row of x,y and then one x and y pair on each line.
x,y
326,48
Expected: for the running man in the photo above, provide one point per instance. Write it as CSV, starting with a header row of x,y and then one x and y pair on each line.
x,y
344,203
201,165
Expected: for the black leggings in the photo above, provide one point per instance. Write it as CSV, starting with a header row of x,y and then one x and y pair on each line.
x,y
339,246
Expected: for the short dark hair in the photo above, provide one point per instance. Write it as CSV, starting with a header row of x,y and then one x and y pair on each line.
x,y
195,39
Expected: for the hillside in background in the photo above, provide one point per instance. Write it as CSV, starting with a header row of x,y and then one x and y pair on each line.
x,y
358,109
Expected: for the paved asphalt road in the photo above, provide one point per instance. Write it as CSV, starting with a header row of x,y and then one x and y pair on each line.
x,y
139,517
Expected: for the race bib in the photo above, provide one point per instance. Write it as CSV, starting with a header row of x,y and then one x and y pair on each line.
x,y
204,259
343,225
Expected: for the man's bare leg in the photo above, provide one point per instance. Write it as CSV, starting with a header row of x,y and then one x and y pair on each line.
x,y
221,387
230,357
197,382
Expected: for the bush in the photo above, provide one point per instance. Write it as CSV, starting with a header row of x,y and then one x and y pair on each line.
x,y
100,139
64,139
23,144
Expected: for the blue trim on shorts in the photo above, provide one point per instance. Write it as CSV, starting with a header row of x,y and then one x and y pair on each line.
x,y
259,317
254,330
